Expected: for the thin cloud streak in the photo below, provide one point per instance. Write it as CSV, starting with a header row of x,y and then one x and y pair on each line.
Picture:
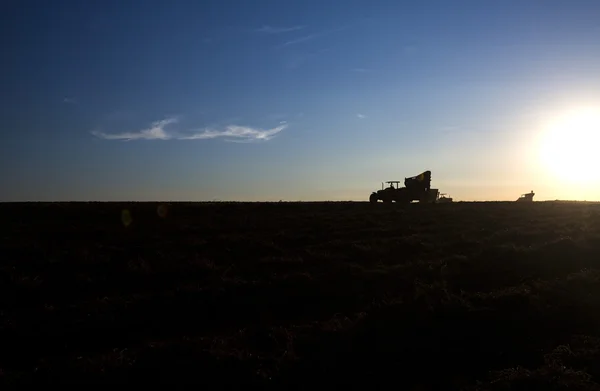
x,y
238,132
157,131
310,37
278,30
299,40
361,116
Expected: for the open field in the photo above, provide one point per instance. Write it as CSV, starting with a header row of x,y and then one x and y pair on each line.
x,y
298,295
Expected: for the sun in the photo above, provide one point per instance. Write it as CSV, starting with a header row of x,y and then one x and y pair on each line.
x,y
569,149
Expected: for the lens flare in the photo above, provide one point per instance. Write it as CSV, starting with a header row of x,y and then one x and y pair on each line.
x,y
126,218
162,210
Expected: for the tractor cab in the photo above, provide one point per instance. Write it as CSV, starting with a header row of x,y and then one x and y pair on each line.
x,y
391,185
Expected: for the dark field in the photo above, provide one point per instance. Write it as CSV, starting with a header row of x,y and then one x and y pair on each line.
x,y
295,296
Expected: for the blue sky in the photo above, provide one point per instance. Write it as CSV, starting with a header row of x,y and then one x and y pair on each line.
x,y
293,100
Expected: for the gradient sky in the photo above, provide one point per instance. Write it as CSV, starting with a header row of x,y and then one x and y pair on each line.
x,y
293,100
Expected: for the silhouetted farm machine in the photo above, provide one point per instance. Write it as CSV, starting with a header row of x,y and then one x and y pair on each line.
x,y
444,198
416,188
528,197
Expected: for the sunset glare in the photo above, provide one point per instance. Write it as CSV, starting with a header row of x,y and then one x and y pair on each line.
x,y
569,147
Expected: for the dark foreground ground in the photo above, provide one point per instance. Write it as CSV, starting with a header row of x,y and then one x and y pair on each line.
x,y
466,295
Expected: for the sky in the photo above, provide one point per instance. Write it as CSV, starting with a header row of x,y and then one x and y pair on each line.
x,y
295,100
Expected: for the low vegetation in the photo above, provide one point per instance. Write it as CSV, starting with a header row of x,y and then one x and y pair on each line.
x,y
474,296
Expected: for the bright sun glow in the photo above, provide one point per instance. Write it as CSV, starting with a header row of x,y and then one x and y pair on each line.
x,y
570,147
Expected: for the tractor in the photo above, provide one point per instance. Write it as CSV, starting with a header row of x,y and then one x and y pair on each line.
x,y
444,198
527,197
416,188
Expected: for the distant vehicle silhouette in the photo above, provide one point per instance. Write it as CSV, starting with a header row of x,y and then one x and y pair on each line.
x,y
416,188
444,198
527,197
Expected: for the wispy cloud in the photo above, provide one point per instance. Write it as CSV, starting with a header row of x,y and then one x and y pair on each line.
x,y
361,116
155,132
237,133
69,100
299,40
310,37
158,131
278,30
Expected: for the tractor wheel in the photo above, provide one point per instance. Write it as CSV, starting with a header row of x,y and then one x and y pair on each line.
x,y
373,199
